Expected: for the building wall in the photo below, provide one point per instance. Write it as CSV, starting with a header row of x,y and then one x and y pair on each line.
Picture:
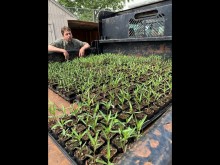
x,y
58,17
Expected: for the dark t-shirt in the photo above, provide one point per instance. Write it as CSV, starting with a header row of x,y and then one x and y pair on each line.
x,y
71,45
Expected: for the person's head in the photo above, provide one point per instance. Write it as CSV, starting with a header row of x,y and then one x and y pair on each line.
x,y
67,34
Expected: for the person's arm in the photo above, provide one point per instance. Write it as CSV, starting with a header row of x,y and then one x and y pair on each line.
x,y
52,48
82,49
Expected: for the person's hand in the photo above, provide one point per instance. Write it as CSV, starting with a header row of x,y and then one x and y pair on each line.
x,y
66,54
81,52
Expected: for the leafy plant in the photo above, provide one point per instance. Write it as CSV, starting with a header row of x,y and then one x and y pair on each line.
x,y
77,136
107,105
139,124
94,141
52,108
125,134
109,117
61,123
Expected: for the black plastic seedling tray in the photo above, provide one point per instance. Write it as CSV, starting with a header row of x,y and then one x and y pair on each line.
x,y
74,160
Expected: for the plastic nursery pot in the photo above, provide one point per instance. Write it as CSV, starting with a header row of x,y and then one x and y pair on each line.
x,y
71,146
103,152
81,154
92,161
100,142
123,116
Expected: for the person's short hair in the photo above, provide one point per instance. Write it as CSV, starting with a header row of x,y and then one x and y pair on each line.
x,y
65,28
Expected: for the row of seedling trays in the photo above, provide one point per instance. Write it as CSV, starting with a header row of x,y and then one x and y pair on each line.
x,y
117,97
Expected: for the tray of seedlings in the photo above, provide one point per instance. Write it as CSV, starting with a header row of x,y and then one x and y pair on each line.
x,y
118,96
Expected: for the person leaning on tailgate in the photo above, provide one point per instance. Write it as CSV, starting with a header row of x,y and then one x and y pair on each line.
x,y
68,43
